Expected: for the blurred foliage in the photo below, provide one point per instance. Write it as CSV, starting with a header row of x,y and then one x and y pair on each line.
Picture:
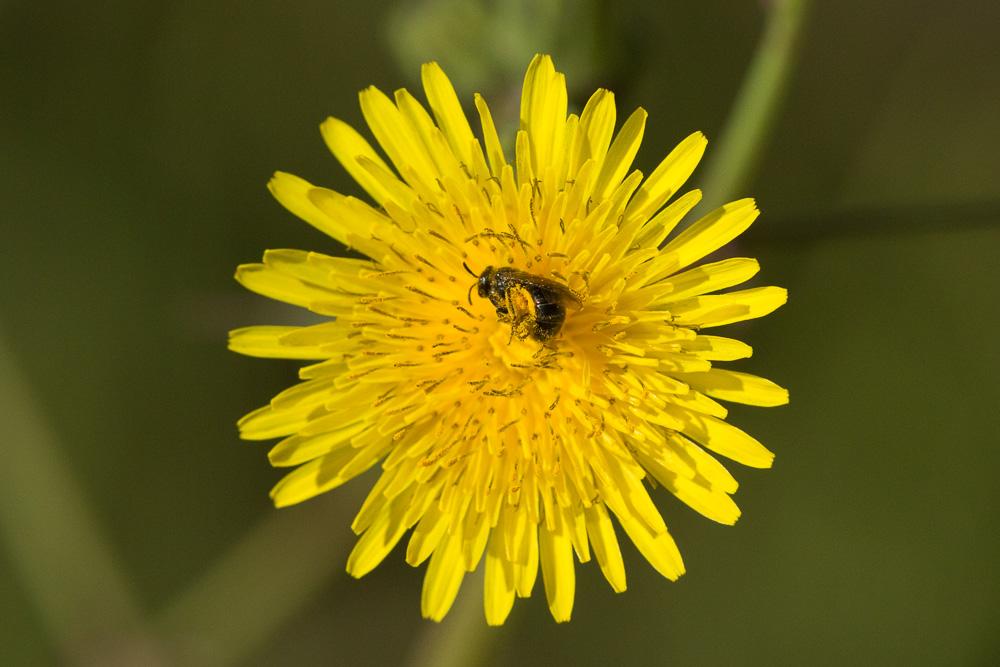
x,y
136,140
483,45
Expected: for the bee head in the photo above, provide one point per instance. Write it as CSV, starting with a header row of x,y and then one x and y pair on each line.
x,y
485,281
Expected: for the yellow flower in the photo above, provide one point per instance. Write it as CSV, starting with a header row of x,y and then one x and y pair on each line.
x,y
493,438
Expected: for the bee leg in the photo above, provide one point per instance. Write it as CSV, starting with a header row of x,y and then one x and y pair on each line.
x,y
521,321
515,322
522,327
517,329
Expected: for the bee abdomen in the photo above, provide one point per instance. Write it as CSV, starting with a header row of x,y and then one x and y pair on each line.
x,y
549,318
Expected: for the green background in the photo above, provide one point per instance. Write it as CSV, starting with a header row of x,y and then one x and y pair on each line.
x,y
135,142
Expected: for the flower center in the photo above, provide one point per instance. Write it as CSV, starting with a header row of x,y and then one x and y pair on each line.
x,y
516,355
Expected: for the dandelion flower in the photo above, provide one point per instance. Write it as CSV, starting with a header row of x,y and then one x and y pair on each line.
x,y
496,442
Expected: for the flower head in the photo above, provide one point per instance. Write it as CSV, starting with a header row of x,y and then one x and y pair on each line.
x,y
515,413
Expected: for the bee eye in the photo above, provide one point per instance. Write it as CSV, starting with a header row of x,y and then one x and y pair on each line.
x,y
484,285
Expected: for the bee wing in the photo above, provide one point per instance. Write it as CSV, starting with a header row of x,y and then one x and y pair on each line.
x,y
565,293
574,298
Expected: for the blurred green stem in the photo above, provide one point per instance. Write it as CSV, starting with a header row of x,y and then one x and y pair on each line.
x,y
732,163
253,590
462,638
55,544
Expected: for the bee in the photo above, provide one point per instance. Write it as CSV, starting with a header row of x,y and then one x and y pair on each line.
x,y
533,306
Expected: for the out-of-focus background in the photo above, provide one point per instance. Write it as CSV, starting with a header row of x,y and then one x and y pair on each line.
x,y
135,142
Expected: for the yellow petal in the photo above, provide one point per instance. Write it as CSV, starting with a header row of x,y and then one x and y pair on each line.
x,y
475,532
605,543
298,449
717,348
558,572
443,579
426,536
498,586
718,309
348,146
526,572
708,278
563,158
711,232
712,503
657,229
434,142
292,192
707,466
522,159
724,439
620,155
296,277
310,267
448,111
354,215
543,110
658,548
357,223
378,540
667,178
283,286
699,402
395,135
318,476
374,504
313,392
576,528
636,496
597,125
738,387
494,149
265,341
267,422
397,193
316,334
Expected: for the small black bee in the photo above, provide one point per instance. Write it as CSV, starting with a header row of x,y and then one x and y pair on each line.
x,y
533,306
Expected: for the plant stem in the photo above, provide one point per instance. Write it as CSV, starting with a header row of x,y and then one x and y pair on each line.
x,y
55,544
462,638
248,594
732,163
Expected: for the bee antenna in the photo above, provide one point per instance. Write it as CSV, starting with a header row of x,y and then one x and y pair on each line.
x,y
471,272
470,292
